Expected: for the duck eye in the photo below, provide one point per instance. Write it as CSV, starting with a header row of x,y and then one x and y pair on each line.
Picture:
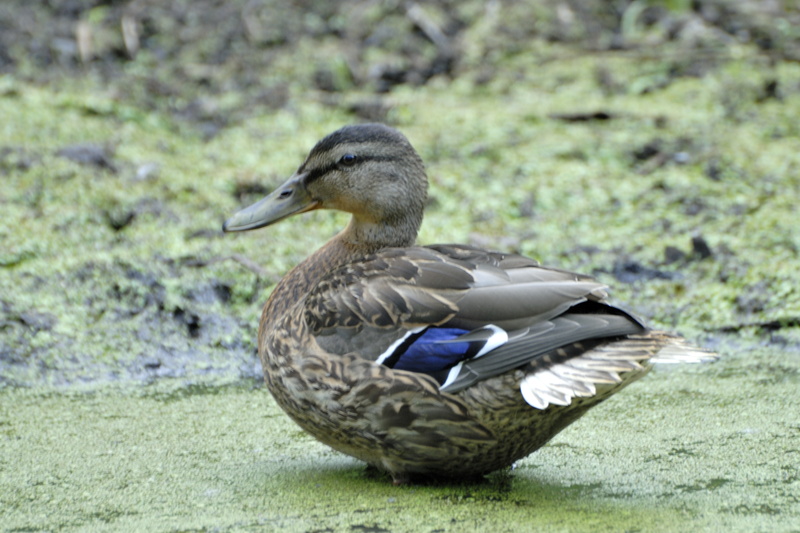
x,y
348,160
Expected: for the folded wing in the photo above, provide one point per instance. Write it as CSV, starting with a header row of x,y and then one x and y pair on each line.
x,y
463,315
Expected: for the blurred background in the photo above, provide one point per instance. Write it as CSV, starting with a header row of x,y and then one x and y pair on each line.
x,y
653,144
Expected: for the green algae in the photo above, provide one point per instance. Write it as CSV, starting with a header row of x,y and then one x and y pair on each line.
x,y
699,449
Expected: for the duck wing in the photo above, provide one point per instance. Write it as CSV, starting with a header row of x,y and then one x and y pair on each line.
x,y
459,313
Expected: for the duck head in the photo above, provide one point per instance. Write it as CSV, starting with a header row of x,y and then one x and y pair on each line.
x,y
368,170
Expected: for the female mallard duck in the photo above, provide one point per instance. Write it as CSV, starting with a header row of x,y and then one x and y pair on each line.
x,y
443,360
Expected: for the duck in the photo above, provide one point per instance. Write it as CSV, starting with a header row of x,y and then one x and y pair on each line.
x,y
431,362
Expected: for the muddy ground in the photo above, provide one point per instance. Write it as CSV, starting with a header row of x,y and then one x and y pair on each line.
x,y
654,145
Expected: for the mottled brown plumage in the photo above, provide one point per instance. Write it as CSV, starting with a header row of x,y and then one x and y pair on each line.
x,y
340,325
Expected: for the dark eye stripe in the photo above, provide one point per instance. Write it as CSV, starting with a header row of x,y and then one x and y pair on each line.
x,y
316,173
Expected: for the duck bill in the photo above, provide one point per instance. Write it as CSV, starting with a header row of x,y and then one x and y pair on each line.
x,y
289,199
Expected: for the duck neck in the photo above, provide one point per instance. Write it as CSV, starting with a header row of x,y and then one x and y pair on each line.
x,y
365,236
359,239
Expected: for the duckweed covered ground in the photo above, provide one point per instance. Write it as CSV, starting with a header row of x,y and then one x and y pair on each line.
x,y
657,149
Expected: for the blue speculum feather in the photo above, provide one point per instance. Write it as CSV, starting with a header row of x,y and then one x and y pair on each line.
x,y
432,351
